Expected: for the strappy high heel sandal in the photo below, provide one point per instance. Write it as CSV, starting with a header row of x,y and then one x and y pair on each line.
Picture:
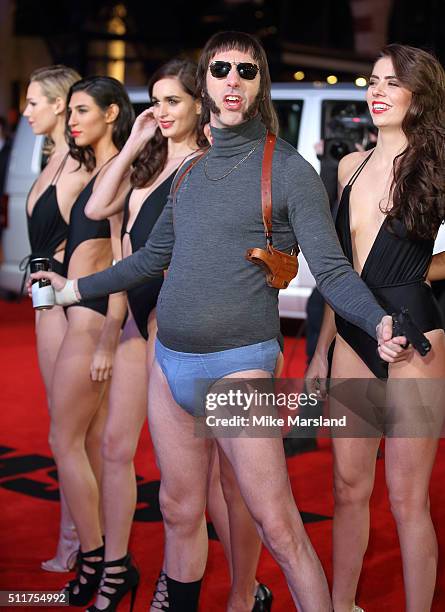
x,y
118,584
82,588
66,555
263,599
160,594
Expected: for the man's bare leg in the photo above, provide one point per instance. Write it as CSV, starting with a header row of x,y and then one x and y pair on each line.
x,y
275,513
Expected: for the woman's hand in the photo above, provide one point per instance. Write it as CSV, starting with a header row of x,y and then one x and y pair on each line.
x,y
143,130
316,375
102,364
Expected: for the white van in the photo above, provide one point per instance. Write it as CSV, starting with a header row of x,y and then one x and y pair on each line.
x,y
307,113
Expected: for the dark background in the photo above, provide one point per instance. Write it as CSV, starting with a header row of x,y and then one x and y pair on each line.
x,y
160,30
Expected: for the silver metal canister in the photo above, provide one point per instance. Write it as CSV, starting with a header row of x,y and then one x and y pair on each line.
x,y
42,291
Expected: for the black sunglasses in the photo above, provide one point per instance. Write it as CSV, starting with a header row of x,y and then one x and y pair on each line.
x,y
246,70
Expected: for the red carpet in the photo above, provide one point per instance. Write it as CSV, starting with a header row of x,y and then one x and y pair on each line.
x,y
29,516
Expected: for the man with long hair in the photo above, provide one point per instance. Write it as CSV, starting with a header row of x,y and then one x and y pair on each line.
x,y
219,319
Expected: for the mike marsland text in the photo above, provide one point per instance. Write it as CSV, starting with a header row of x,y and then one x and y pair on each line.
x,y
271,421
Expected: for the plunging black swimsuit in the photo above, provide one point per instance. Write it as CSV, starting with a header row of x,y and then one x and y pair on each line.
x,y
81,229
394,271
143,299
47,228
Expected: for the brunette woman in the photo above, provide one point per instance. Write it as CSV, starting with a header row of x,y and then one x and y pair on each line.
x,y
392,203
141,195
48,210
100,119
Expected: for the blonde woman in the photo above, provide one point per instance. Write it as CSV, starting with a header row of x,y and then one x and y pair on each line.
x,y
48,209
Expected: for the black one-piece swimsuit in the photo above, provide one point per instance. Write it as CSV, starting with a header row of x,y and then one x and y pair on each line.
x,y
81,229
394,271
143,299
47,229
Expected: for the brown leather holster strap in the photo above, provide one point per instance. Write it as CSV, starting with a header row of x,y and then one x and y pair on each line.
x,y
266,182
266,186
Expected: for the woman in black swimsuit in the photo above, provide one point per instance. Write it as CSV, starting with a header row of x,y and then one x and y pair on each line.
x,y
48,209
100,119
392,203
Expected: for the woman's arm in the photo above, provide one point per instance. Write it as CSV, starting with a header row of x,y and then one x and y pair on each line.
x,y
102,362
113,183
318,368
436,270
148,262
317,371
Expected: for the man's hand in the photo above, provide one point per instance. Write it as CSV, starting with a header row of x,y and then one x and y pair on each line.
x,y
65,290
391,349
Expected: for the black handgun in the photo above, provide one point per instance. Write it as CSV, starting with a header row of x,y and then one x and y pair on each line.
x,y
403,325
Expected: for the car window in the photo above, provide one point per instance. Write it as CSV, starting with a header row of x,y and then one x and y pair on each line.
x,y
289,117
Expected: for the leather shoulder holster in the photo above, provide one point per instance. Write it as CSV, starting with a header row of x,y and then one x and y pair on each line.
x,y
280,267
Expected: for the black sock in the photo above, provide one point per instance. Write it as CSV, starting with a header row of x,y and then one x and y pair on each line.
x,y
183,596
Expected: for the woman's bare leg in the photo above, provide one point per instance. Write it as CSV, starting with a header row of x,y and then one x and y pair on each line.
x,y
354,472
51,326
409,462
76,400
127,413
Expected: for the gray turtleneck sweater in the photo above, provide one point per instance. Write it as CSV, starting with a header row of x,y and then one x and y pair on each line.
x,y
213,298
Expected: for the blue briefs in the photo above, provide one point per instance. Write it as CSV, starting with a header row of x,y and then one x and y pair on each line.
x,y
190,375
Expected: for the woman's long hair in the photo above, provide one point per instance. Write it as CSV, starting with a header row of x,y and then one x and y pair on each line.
x,y
153,157
227,41
104,91
418,187
55,82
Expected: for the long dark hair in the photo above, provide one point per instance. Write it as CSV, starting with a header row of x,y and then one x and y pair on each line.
x,y
153,157
418,187
227,41
104,91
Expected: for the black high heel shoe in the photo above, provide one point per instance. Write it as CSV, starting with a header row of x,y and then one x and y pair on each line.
x,y
81,589
263,599
160,594
119,583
